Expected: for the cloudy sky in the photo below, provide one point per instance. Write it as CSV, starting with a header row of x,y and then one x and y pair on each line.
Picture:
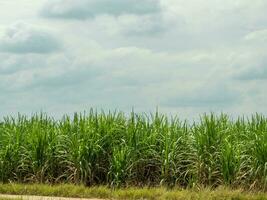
x,y
185,57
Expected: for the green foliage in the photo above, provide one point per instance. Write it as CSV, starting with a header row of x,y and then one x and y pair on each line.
x,y
136,150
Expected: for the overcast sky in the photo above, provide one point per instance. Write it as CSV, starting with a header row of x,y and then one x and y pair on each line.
x,y
185,57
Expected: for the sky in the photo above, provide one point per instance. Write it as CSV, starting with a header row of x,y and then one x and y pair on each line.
x,y
182,57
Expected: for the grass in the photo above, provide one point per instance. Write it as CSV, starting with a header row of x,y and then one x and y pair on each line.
x,y
159,193
9,198
138,150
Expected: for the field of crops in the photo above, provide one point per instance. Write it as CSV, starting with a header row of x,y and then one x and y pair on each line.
x,y
135,150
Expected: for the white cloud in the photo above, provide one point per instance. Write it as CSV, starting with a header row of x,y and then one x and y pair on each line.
x,y
185,57
258,36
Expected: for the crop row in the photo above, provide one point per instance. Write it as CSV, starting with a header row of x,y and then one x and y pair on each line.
x,y
136,150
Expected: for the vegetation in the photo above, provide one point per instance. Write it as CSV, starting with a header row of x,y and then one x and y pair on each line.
x,y
159,193
136,150
6,198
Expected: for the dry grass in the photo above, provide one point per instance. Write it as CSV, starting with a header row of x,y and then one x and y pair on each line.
x,y
130,193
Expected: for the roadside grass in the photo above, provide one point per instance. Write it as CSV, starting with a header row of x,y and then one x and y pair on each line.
x,y
8,199
103,192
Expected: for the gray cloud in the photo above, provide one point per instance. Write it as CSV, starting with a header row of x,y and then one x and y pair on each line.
x,y
251,65
254,73
212,96
13,63
67,79
21,38
82,9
